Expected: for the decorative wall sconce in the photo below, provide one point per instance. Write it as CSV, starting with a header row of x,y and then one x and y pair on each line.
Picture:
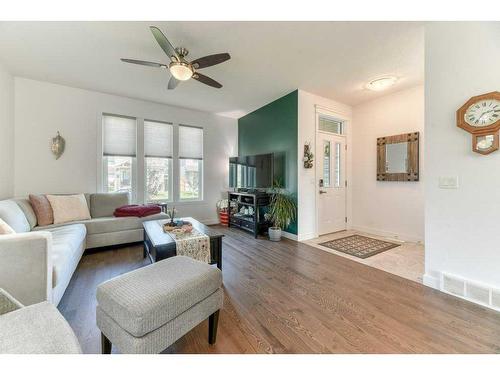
x,y
57,145
308,156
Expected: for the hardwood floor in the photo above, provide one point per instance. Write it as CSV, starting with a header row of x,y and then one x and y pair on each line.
x,y
289,297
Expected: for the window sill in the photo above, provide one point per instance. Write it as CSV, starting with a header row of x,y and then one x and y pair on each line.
x,y
178,203
190,202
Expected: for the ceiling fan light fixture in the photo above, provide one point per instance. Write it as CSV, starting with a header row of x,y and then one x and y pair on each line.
x,y
381,83
181,71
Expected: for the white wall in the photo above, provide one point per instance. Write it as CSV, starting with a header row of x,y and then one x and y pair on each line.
x,y
462,226
387,208
42,109
307,182
6,133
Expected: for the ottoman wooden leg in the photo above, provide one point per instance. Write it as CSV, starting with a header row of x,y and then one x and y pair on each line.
x,y
105,344
213,322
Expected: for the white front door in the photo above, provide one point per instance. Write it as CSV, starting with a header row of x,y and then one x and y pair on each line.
x,y
331,183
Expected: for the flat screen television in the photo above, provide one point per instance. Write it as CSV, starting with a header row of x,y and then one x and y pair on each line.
x,y
252,172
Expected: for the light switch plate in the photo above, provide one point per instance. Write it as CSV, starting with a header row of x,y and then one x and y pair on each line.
x,y
448,182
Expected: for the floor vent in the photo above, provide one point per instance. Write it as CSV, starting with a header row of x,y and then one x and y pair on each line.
x,y
470,290
477,293
453,285
495,298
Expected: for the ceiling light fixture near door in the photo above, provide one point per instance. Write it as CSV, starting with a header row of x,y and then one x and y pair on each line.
x,y
381,83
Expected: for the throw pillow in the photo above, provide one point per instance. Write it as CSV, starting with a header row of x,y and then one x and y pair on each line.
x,y
68,208
42,208
5,228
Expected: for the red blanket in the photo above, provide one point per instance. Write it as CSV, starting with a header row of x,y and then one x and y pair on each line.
x,y
138,210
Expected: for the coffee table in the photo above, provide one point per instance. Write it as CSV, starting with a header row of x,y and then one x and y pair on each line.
x,y
159,245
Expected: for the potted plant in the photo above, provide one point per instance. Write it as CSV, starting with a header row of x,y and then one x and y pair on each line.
x,y
223,208
283,211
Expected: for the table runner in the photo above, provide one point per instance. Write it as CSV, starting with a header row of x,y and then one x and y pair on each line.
x,y
195,245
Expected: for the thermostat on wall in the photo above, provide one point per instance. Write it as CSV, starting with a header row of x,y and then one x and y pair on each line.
x,y
447,182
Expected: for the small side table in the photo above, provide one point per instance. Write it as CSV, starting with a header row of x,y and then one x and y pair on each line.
x,y
163,207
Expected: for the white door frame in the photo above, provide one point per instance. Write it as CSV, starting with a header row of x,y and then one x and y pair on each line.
x,y
346,120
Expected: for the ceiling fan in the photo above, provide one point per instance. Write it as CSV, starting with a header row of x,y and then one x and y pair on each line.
x,y
180,68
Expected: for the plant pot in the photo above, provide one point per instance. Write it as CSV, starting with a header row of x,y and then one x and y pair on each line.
x,y
274,233
224,218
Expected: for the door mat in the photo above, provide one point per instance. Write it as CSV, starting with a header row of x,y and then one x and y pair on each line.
x,y
359,246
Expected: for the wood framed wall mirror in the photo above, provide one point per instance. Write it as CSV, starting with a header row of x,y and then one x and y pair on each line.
x,y
397,157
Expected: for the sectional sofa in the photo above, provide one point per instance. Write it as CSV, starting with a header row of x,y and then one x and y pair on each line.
x,y
37,262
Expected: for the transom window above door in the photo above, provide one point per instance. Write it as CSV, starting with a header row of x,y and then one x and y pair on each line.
x,y
330,125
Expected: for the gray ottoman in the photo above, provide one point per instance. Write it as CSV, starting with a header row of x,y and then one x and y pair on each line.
x,y
147,310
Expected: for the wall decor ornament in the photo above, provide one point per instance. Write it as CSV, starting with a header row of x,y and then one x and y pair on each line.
x,y
308,156
480,116
57,146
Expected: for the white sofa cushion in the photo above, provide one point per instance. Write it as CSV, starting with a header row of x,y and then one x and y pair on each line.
x,y
12,214
69,208
66,242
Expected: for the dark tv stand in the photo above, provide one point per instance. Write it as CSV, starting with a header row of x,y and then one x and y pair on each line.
x,y
252,223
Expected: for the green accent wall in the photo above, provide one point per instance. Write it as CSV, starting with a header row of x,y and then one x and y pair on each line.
x,y
274,128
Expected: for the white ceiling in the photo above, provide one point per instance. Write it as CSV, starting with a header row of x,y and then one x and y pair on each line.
x,y
269,59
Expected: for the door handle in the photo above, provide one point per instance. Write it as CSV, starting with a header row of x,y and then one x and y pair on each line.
x,y
322,192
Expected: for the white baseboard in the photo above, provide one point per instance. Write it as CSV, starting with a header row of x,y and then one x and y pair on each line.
x,y
431,281
306,236
388,234
208,221
290,236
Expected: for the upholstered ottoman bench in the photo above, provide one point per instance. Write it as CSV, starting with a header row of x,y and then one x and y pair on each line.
x,y
147,310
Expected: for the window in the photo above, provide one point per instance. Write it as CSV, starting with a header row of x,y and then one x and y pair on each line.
x,y
119,154
330,125
337,165
168,168
190,163
326,164
158,152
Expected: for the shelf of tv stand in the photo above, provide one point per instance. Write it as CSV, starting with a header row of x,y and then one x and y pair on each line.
x,y
244,203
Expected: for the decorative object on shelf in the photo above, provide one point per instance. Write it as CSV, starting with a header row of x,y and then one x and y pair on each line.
x,y
57,145
480,116
222,209
308,156
397,157
283,211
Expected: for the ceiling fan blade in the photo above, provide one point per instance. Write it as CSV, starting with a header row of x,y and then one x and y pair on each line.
x,y
206,80
204,62
172,84
165,45
147,63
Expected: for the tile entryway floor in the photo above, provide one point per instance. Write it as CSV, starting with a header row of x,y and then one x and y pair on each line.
x,y
405,261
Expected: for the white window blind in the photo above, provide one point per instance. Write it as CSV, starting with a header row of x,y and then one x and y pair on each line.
x,y
330,125
158,139
190,142
119,135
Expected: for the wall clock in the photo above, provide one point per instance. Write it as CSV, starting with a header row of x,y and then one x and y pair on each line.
x,y
480,116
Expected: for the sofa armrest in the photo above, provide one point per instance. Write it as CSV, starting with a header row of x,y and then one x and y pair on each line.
x,y
26,266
